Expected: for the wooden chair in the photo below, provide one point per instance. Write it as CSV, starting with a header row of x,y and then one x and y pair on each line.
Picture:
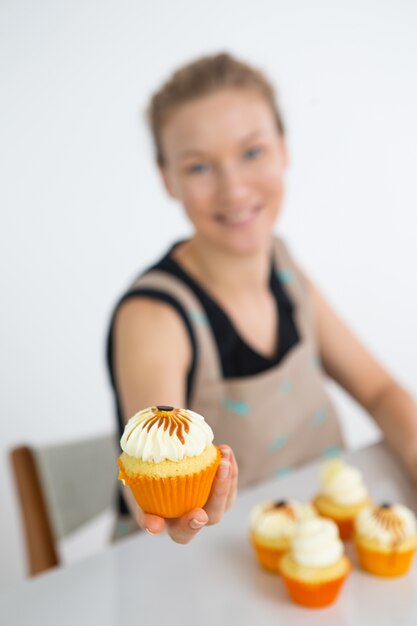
x,y
59,488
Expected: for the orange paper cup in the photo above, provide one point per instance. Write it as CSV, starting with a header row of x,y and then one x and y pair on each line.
x,y
172,496
314,595
346,527
268,558
385,563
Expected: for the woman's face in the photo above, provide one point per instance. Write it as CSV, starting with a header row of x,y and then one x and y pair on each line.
x,y
225,161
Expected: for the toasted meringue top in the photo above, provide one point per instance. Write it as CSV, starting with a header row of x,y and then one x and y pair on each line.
x,y
161,432
278,519
387,524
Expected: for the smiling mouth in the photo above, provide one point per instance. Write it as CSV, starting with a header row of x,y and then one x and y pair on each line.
x,y
240,218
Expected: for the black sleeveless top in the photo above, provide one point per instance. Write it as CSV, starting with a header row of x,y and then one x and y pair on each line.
x,y
237,358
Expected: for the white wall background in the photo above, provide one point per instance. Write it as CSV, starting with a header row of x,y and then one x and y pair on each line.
x,y
82,210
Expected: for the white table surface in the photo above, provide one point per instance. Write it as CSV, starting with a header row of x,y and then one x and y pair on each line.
x,y
215,580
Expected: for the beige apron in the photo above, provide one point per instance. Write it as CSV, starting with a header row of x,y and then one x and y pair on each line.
x,y
274,420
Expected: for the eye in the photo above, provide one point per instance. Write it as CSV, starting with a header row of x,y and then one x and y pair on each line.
x,y
252,153
198,168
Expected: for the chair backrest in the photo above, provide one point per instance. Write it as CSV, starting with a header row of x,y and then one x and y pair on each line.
x,y
60,487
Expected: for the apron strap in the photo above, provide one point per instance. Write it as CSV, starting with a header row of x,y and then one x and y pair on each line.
x,y
296,286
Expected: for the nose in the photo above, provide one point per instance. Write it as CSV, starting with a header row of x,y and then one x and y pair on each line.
x,y
232,186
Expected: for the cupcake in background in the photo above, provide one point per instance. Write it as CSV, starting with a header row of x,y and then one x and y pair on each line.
x,y
272,527
315,568
343,494
386,539
168,460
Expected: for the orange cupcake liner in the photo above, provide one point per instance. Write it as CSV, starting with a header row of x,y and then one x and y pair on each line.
x,y
385,563
346,526
314,595
171,496
268,558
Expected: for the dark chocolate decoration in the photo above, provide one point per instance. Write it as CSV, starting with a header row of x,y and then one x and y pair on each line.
x,y
163,407
280,503
385,505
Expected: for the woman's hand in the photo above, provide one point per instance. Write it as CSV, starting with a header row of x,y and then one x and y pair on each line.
x,y
222,496
141,327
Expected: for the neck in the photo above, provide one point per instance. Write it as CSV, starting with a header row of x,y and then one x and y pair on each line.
x,y
224,271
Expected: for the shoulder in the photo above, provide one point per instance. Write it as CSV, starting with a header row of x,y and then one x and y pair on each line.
x,y
150,324
151,354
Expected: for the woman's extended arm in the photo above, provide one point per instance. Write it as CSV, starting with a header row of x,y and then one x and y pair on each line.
x,y
347,361
151,359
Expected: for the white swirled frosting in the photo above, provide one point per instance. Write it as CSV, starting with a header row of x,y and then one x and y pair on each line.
x,y
156,435
316,543
279,519
386,524
342,483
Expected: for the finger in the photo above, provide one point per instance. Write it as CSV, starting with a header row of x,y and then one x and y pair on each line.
x,y
185,528
216,504
228,453
153,524
234,480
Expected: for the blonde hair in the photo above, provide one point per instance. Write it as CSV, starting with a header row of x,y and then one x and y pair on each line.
x,y
200,78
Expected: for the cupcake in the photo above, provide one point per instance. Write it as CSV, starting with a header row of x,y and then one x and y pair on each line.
x,y
315,568
343,494
386,539
168,460
272,527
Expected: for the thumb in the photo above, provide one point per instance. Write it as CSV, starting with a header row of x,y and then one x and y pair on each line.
x,y
184,528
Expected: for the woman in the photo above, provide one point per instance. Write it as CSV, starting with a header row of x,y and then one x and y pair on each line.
x,y
226,323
